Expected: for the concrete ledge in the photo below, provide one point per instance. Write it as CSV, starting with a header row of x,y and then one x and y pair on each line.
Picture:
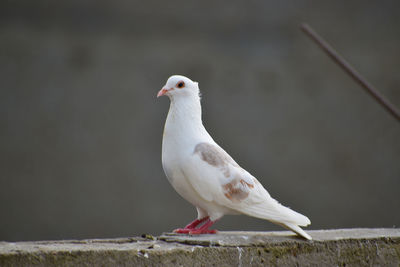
x,y
347,247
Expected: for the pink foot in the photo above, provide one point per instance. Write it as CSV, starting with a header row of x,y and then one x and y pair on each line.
x,y
204,229
182,231
190,226
200,232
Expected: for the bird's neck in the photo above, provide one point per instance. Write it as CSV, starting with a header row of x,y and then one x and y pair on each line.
x,y
186,109
184,120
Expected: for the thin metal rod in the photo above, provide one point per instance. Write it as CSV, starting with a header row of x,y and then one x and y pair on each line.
x,y
351,71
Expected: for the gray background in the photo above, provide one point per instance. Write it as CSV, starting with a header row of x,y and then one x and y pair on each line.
x,y
81,128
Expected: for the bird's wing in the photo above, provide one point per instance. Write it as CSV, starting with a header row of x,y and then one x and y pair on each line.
x,y
215,175
217,178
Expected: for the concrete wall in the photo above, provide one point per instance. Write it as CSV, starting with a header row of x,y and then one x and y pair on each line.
x,y
80,127
348,247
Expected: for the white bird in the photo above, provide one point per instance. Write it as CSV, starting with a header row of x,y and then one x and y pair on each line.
x,y
205,175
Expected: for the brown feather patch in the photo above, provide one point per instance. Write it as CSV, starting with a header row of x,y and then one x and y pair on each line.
x,y
215,157
237,190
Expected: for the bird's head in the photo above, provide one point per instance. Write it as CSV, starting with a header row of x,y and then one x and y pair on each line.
x,y
179,86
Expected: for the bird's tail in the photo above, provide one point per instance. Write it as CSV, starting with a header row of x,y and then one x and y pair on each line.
x,y
295,228
275,212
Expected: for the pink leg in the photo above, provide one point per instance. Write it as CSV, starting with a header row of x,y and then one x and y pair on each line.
x,y
204,229
190,226
196,222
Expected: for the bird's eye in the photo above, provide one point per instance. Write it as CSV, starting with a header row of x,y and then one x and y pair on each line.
x,y
180,85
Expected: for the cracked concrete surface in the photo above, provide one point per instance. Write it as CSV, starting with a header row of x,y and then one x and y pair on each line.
x,y
343,247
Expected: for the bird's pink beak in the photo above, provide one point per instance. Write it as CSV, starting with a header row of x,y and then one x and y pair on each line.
x,y
162,92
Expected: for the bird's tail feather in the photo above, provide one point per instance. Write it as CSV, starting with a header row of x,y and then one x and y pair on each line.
x,y
276,212
281,215
295,228
292,216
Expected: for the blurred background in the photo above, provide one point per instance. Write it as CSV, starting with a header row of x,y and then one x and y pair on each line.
x,y
81,127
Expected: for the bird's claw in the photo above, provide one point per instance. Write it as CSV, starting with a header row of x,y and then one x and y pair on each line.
x,y
194,231
182,231
202,231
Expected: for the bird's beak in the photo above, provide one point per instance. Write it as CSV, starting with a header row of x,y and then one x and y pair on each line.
x,y
162,92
